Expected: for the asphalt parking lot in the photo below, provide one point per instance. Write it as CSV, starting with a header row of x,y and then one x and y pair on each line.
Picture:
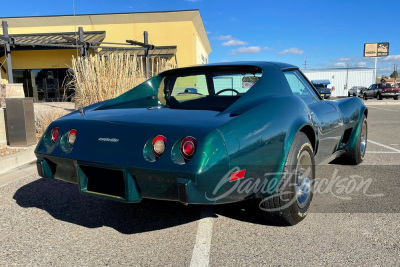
x,y
47,222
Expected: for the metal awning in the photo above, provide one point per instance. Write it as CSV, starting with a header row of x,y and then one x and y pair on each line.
x,y
46,39
158,51
320,82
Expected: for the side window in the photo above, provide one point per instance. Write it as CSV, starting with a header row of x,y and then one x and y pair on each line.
x,y
300,87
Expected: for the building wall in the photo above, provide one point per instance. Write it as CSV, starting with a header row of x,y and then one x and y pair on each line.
x,y
184,33
338,78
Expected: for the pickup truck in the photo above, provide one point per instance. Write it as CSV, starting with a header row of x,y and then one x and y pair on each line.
x,y
381,90
321,86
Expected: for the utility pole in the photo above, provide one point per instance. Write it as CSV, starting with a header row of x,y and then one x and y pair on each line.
x,y
305,65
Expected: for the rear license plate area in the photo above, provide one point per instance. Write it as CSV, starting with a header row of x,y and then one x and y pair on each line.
x,y
104,181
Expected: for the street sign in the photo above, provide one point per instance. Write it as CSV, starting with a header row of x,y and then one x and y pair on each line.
x,y
376,49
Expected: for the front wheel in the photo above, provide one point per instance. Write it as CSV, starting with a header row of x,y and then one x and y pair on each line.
x,y
290,204
365,97
396,98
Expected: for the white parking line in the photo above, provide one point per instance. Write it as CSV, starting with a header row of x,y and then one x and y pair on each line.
x,y
201,251
385,146
382,108
382,152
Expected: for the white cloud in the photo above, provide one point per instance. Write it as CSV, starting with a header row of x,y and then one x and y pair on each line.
x,y
224,37
266,48
225,60
192,1
384,69
246,50
208,32
234,42
340,64
293,50
391,58
344,59
361,64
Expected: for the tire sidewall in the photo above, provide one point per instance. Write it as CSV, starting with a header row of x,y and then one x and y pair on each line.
x,y
298,213
361,157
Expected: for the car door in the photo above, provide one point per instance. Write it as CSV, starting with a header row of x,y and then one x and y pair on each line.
x,y
324,116
370,91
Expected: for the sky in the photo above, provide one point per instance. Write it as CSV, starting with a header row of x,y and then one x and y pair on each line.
x,y
323,33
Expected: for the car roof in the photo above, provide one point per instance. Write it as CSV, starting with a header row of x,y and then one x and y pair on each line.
x,y
264,65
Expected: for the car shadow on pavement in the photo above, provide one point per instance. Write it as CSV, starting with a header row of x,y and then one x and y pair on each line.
x,y
244,212
63,202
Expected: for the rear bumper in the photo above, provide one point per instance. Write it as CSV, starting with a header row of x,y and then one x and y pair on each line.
x,y
126,184
390,94
325,95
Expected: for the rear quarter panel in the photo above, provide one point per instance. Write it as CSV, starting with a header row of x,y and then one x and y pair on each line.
x,y
259,139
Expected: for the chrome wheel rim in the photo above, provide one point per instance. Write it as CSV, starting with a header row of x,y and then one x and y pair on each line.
x,y
363,143
303,180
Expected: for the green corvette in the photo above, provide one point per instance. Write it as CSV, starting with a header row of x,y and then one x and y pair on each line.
x,y
212,134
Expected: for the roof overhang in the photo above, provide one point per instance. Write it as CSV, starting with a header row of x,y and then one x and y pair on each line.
x,y
119,18
158,51
59,40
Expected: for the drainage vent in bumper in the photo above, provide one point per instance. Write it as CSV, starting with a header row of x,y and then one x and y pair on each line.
x,y
182,191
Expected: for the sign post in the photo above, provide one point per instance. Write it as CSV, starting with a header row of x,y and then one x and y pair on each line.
x,y
375,50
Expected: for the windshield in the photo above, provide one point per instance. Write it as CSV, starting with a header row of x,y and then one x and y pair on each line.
x,y
320,86
207,91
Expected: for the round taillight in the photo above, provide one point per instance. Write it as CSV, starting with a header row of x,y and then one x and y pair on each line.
x,y
72,137
188,147
55,133
159,144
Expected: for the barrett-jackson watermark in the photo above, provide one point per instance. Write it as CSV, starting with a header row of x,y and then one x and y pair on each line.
x,y
274,184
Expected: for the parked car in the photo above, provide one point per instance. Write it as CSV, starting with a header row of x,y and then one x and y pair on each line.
x,y
356,91
322,88
381,90
196,135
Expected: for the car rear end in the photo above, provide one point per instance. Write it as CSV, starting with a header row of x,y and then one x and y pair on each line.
x,y
130,161
390,92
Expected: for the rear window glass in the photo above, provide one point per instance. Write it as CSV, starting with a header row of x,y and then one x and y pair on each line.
x,y
209,90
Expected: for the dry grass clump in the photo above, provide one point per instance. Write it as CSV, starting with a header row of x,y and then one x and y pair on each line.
x,y
43,118
97,78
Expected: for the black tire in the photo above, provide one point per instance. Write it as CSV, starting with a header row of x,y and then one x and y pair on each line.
x,y
379,97
356,155
284,208
396,98
365,97
348,95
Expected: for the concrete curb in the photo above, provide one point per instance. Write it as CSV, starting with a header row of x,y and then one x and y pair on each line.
x,y
16,160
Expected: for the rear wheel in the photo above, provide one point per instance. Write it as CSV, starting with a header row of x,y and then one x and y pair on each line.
x,y
356,155
348,95
290,204
365,97
396,98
